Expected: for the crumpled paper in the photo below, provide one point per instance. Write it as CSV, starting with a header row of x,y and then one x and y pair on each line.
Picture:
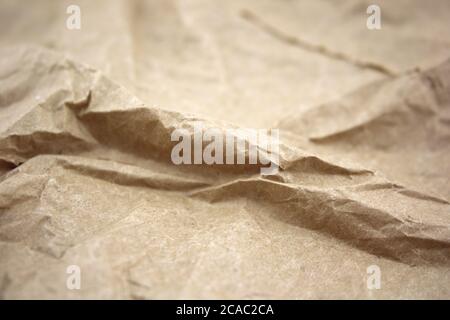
x,y
87,179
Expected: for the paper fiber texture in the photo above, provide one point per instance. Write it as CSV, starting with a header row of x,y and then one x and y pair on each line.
x,y
87,180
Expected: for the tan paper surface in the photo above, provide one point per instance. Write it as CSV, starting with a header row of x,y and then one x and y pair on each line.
x,y
86,176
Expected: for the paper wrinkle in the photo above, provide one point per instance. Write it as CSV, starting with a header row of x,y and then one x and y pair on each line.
x,y
89,123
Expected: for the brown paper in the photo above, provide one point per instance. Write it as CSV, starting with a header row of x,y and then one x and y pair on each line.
x,y
87,179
